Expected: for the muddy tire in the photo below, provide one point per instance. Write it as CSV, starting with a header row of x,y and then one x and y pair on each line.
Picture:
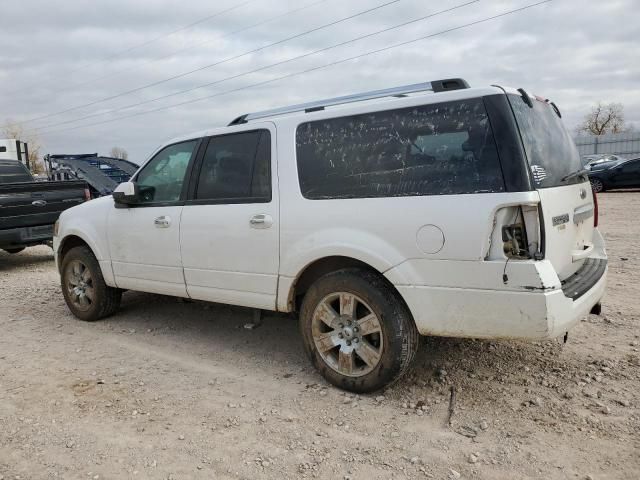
x,y
87,295
357,331
14,250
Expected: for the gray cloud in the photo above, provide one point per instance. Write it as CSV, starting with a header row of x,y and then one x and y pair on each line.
x,y
52,57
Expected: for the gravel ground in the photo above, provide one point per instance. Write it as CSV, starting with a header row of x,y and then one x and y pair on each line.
x,y
174,390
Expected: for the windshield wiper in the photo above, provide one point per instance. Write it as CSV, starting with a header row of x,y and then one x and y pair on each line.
x,y
577,173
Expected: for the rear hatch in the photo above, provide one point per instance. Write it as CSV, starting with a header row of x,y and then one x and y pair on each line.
x,y
566,200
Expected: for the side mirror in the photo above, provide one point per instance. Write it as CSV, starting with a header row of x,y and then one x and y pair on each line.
x,y
126,194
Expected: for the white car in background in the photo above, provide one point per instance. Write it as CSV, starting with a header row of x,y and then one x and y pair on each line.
x,y
431,209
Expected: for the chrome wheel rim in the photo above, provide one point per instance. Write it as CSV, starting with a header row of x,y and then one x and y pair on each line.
x,y
347,334
596,185
79,285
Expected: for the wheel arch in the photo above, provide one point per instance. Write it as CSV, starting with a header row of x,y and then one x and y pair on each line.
x,y
322,266
73,240
66,244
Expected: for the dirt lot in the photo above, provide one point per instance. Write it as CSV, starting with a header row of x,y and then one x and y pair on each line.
x,y
167,389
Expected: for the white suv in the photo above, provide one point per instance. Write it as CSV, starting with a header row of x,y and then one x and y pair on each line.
x,y
432,209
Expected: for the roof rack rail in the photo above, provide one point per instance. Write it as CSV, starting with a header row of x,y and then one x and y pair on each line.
x,y
435,86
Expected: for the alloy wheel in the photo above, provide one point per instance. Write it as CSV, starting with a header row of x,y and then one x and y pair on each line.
x,y
596,185
347,334
79,285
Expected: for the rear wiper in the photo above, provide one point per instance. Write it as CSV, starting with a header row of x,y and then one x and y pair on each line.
x,y
577,173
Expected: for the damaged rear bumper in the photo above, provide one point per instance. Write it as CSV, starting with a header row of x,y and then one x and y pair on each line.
x,y
521,308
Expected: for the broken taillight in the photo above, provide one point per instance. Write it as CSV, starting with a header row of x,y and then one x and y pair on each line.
x,y
515,241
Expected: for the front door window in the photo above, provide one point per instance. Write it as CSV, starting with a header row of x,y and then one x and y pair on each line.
x,y
162,178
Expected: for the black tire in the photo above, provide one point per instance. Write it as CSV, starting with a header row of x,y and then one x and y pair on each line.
x,y
106,300
597,185
14,250
398,333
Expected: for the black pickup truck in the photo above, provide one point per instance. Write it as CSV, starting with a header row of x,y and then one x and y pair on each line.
x,y
28,209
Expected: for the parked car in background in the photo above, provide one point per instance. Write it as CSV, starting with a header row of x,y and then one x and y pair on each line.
x,y
590,160
29,208
432,209
618,174
604,165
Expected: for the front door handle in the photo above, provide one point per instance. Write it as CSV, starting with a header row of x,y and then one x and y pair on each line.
x,y
162,222
262,220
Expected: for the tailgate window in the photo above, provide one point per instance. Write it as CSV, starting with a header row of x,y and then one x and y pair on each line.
x,y
550,150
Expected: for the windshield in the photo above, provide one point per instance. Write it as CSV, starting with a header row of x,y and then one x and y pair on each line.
x,y
604,165
550,150
596,159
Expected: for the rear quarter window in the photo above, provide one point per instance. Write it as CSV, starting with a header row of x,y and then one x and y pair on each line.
x,y
439,149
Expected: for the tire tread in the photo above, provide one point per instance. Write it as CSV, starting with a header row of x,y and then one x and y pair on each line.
x,y
404,331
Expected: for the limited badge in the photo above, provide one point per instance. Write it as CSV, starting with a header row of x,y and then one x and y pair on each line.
x,y
560,219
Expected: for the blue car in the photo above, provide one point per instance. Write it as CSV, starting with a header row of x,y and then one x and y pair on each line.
x,y
615,174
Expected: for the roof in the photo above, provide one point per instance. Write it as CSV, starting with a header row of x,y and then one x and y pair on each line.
x,y
364,105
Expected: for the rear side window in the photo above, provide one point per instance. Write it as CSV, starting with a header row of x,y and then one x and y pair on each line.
x,y
236,167
440,149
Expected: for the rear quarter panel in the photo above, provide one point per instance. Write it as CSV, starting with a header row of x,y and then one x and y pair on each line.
x,y
381,232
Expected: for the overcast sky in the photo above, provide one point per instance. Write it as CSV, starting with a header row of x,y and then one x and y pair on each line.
x,y
56,56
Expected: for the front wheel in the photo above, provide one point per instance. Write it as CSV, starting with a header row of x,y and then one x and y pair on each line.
x,y
597,185
356,331
87,295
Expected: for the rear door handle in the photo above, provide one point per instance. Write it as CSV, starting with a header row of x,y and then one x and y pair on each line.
x,y
162,222
581,213
261,220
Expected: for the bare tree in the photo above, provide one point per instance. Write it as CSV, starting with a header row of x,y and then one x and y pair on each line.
x,y
16,130
603,119
119,152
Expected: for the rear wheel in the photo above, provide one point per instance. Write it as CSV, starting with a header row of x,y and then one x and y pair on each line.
x,y
87,295
597,185
14,250
356,331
